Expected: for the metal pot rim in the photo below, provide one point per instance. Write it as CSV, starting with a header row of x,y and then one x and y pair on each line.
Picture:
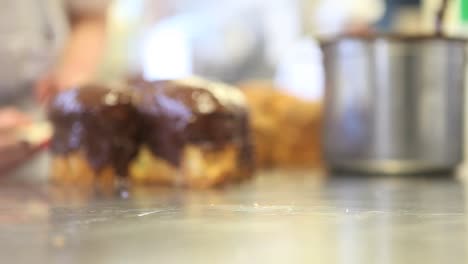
x,y
392,37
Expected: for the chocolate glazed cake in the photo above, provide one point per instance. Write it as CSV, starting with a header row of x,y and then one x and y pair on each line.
x,y
194,133
190,133
95,135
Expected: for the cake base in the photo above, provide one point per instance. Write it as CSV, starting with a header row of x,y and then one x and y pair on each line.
x,y
200,168
74,169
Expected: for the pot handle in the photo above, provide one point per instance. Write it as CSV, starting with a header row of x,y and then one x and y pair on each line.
x,y
440,17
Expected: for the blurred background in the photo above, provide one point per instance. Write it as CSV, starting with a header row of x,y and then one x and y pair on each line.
x,y
228,40
234,41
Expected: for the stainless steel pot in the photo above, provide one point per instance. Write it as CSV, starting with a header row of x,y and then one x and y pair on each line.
x,y
394,104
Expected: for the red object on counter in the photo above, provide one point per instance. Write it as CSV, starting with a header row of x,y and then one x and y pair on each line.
x,y
29,142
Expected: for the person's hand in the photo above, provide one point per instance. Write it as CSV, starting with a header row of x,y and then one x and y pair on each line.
x,y
46,88
51,84
358,29
10,119
12,150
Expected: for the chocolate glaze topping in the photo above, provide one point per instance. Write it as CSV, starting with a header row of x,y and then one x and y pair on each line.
x,y
192,111
110,125
99,121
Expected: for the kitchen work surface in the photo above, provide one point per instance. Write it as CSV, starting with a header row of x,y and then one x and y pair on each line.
x,y
279,217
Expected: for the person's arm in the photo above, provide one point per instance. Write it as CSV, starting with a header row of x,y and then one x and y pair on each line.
x,y
82,52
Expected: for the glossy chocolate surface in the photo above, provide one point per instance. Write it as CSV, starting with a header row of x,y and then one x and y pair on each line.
x,y
110,125
192,111
101,122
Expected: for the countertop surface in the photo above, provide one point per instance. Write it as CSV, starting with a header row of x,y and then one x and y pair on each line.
x,y
279,217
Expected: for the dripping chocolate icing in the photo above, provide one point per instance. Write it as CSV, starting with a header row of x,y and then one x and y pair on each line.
x,y
100,122
192,111
109,125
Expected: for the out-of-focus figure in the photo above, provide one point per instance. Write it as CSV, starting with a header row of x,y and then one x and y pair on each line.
x,y
32,32
82,49
52,35
235,40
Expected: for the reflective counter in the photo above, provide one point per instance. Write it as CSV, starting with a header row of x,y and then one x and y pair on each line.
x,y
278,217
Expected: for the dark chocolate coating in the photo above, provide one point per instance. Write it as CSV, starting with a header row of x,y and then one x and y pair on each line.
x,y
110,125
206,114
99,121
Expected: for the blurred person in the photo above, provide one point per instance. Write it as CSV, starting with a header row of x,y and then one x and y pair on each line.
x,y
49,44
237,40
83,49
